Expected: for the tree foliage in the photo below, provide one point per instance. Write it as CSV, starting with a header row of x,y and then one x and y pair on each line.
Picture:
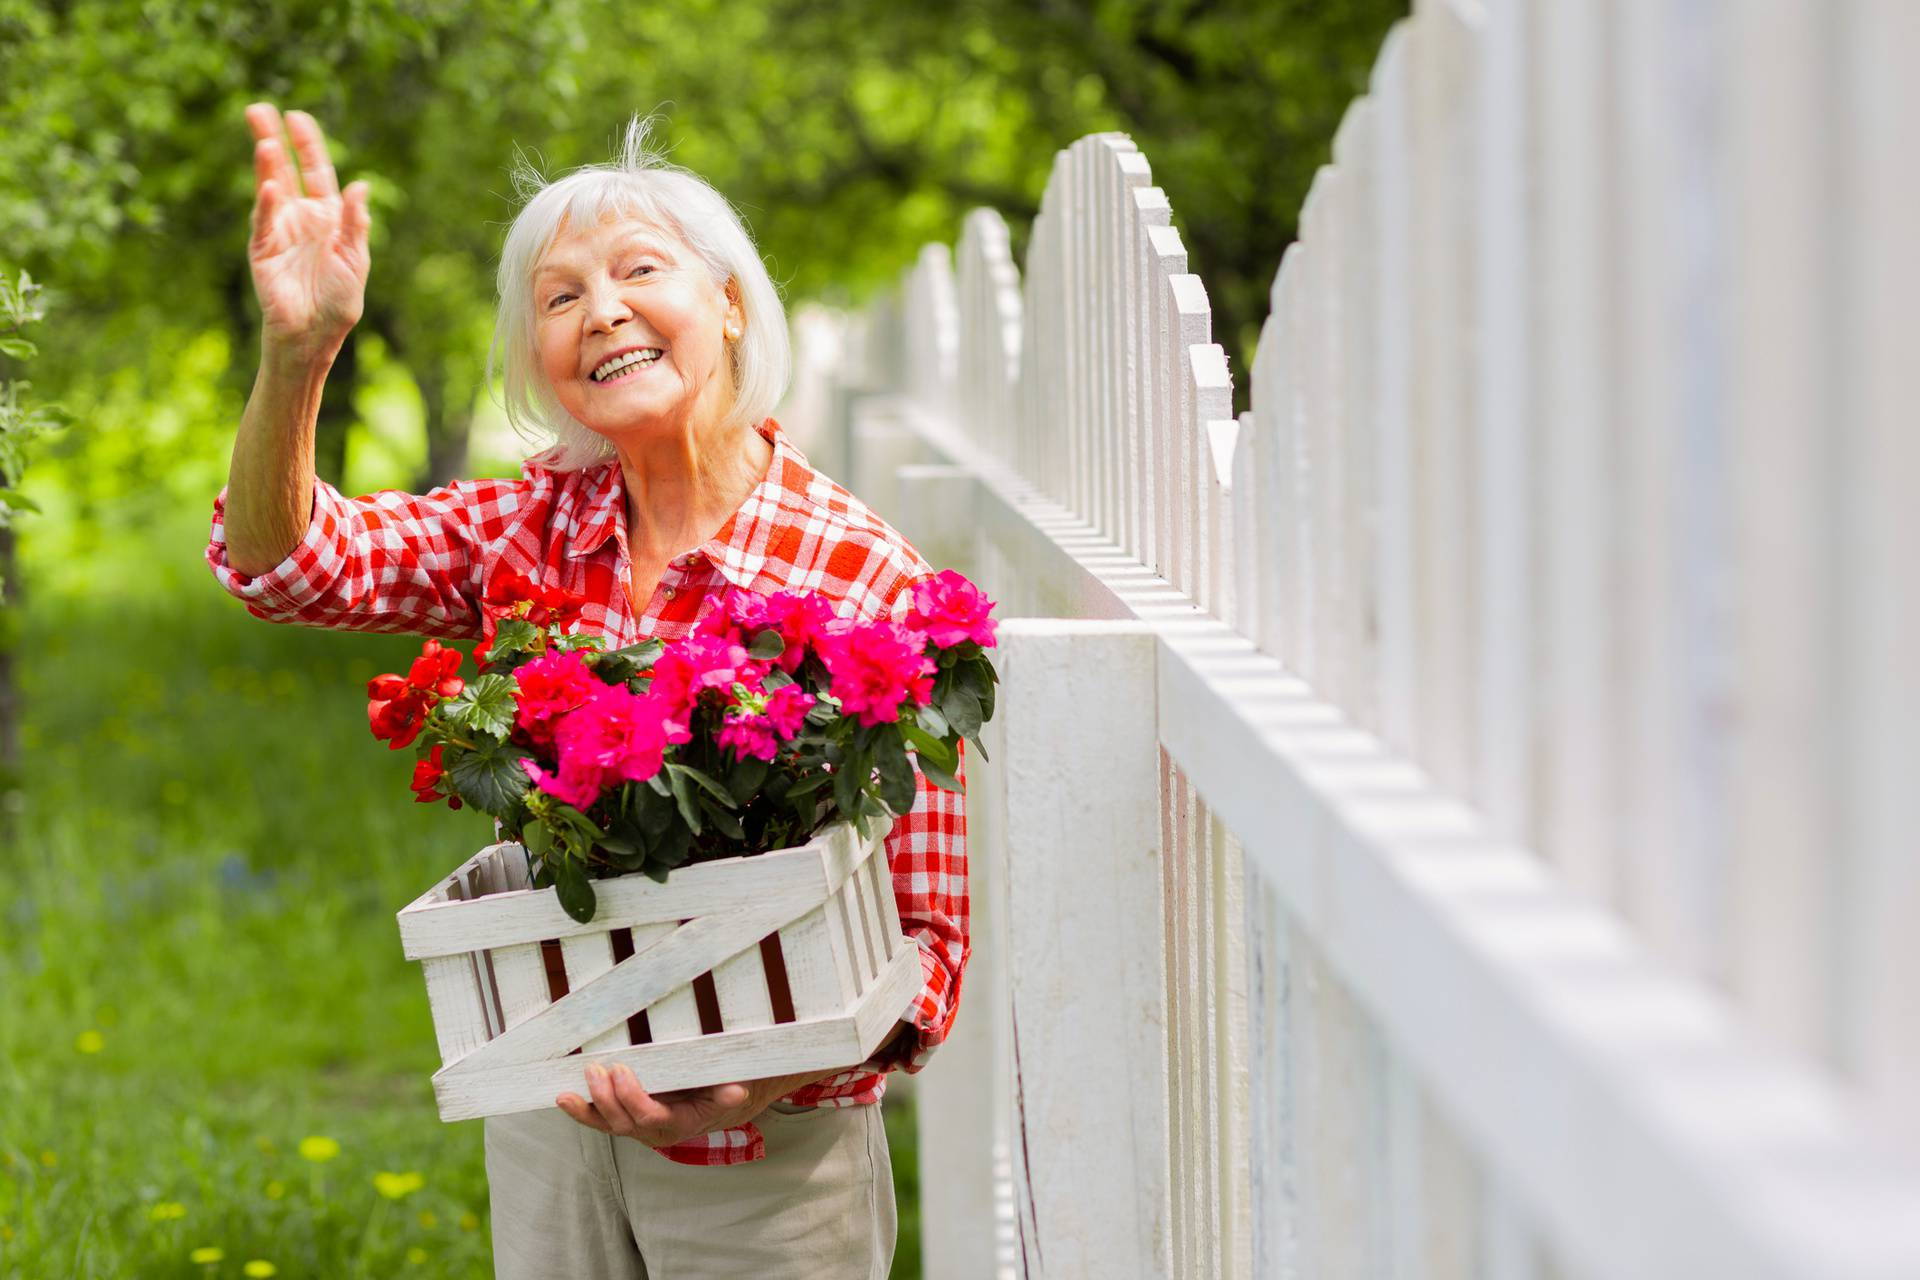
x,y
849,133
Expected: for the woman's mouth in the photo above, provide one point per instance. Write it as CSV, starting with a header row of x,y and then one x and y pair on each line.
x,y
626,367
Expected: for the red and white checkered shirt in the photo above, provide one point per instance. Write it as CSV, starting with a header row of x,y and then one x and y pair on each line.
x,y
420,563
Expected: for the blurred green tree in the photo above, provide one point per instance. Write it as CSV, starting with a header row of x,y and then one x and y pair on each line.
x,y
849,133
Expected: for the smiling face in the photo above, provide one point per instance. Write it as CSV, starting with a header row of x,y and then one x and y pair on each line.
x,y
631,302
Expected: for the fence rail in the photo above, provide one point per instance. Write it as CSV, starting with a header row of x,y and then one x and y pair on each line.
x,y
1534,713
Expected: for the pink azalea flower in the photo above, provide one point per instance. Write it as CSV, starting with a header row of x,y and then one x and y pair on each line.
x,y
549,687
950,609
696,663
876,666
617,736
749,736
758,723
787,709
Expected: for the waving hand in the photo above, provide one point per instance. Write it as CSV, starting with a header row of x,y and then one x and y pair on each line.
x,y
308,251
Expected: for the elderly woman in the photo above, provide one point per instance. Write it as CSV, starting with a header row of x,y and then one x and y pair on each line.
x,y
642,341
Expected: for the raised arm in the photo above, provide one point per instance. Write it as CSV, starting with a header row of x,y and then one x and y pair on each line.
x,y
283,540
309,258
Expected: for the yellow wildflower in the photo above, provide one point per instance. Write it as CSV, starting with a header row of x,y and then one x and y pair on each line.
x,y
49,1159
167,1210
207,1254
260,1267
276,1190
469,1223
318,1149
265,1144
416,1255
89,1042
397,1186
428,1220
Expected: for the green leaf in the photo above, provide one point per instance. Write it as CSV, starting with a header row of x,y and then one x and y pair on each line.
x,y
962,709
490,779
897,784
683,797
940,751
744,782
848,780
933,722
622,665
575,891
704,782
485,705
18,348
653,811
767,645
18,501
674,850
514,635
727,822
809,784
537,838
940,777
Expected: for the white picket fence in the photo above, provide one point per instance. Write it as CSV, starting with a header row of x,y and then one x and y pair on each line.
x,y
1462,818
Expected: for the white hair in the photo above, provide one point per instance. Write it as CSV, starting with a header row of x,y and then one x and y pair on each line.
x,y
639,183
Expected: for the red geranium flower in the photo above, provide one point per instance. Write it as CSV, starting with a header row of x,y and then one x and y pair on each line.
x,y
514,595
427,774
397,706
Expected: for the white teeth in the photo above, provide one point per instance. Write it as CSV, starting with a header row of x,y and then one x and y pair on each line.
x,y
621,364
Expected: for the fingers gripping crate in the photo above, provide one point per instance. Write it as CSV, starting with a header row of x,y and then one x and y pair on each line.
x,y
780,963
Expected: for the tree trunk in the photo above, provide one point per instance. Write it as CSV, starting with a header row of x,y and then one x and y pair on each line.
x,y
447,431
11,779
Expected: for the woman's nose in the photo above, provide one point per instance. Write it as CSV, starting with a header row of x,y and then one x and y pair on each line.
x,y
608,309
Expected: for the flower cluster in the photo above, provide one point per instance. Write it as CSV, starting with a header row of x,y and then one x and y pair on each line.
x,y
397,706
770,717
513,595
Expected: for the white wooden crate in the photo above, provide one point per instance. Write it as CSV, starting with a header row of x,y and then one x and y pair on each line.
x,y
497,951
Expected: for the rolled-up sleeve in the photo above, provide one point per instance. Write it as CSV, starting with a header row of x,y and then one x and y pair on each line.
x,y
927,853
390,561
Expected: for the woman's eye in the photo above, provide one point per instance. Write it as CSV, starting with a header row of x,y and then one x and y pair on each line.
x,y
556,299
645,266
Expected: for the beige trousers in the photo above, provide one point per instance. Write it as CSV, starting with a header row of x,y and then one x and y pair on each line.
x,y
572,1202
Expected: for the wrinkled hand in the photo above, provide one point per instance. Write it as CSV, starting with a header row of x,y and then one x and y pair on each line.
x,y
308,250
622,1107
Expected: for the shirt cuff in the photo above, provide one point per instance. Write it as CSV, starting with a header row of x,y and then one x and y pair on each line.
x,y
930,1017
287,588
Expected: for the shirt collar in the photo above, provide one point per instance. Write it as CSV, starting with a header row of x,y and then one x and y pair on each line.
x,y
739,548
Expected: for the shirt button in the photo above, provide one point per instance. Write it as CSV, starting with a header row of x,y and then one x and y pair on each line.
x,y
689,560
669,593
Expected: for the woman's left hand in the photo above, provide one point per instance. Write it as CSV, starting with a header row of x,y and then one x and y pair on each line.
x,y
621,1107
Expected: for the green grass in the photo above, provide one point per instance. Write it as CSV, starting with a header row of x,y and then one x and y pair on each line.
x,y
199,965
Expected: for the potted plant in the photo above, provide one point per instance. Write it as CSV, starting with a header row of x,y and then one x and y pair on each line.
x,y
686,879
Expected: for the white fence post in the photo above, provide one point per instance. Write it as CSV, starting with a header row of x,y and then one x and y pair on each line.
x,y
1084,943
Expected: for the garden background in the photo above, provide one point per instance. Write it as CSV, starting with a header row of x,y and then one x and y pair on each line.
x,y
213,1059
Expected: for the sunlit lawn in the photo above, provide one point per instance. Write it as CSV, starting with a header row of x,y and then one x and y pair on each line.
x,y
199,967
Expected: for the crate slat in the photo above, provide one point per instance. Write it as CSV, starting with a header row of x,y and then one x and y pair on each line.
x,y
858,896
886,910
673,1016
507,1045
520,977
587,957
454,997
634,983
820,972
741,984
